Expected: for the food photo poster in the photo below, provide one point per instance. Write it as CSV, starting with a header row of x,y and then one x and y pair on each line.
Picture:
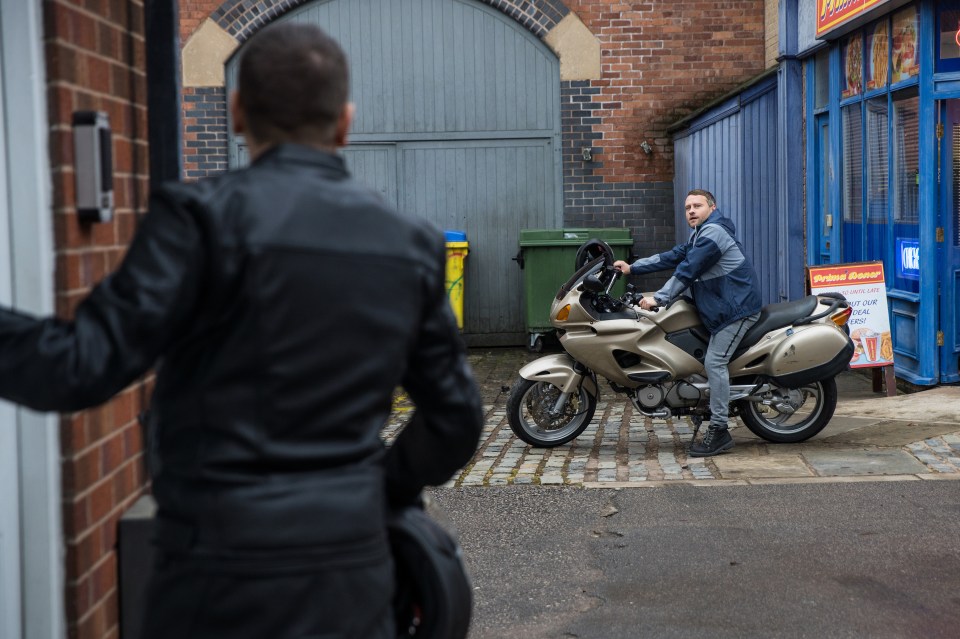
x,y
864,286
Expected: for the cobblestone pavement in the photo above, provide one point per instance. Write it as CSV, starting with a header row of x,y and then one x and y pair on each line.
x,y
618,446
940,454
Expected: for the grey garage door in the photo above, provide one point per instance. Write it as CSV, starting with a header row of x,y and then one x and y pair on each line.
x,y
457,122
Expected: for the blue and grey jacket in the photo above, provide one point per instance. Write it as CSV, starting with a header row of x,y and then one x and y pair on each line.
x,y
715,270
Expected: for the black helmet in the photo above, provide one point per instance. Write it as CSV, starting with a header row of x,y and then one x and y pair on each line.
x,y
433,598
591,250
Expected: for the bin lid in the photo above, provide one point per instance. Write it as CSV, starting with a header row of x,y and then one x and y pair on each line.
x,y
574,236
455,236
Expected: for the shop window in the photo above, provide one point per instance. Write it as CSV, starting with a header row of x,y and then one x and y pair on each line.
x,y
879,144
956,185
821,79
852,56
948,44
906,157
878,60
906,177
852,182
825,175
905,63
878,168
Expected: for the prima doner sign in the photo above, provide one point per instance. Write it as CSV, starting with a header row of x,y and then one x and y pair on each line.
x,y
832,14
864,287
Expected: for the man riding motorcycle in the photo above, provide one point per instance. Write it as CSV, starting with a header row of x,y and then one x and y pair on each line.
x,y
725,289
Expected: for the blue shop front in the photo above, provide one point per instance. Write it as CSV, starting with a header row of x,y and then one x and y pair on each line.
x,y
882,115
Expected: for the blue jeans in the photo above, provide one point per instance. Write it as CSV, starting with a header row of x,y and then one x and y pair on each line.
x,y
722,346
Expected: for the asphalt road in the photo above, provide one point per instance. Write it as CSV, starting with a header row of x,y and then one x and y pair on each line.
x,y
878,559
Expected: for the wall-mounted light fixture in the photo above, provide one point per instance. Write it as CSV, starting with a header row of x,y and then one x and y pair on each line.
x,y
93,165
587,154
646,147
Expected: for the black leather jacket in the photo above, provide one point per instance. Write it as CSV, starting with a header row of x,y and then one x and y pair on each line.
x,y
285,303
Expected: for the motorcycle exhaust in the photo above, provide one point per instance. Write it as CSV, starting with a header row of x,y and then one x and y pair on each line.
x,y
659,413
737,392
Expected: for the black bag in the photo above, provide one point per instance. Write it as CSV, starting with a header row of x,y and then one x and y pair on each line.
x,y
434,597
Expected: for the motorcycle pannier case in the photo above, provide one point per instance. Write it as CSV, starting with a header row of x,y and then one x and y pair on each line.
x,y
809,354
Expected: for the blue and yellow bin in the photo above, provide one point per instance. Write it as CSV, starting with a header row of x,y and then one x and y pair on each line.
x,y
457,250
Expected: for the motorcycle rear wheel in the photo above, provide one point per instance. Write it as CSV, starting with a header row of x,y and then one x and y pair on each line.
x,y
528,413
812,406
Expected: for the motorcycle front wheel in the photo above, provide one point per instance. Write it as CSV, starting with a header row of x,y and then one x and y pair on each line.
x,y
529,413
790,415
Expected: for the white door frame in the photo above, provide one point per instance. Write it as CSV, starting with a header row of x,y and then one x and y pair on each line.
x,y
10,622
33,587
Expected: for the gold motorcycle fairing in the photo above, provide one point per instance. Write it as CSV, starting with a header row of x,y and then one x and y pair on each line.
x,y
631,349
558,370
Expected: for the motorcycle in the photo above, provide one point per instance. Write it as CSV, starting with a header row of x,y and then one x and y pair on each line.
x,y
781,376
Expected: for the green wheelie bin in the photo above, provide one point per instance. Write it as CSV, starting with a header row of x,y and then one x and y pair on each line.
x,y
547,257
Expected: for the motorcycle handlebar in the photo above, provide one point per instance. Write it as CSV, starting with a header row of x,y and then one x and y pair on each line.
x,y
617,274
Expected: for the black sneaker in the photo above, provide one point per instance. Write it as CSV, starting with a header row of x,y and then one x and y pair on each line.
x,y
714,442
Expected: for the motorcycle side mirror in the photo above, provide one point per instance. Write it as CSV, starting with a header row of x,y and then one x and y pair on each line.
x,y
593,284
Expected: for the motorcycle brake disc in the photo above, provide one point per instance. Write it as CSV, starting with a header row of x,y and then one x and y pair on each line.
x,y
540,403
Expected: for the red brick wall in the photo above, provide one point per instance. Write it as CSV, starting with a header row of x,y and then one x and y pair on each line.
x,y
95,61
192,15
661,60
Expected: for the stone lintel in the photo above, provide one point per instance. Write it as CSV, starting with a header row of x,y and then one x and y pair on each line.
x,y
204,56
577,48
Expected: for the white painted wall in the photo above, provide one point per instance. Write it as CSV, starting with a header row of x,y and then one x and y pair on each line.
x,y
31,532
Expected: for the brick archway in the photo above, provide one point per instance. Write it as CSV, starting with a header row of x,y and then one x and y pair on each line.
x,y
241,19
205,149
587,199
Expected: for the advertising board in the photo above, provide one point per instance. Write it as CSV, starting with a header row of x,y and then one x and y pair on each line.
x,y
864,286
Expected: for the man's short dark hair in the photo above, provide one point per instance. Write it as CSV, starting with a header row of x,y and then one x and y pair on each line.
x,y
711,201
293,84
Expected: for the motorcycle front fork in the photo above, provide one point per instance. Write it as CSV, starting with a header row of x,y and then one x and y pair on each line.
x,y
560,404
562,400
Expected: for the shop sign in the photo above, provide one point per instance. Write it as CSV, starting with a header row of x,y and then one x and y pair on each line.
x,y
835,13
908,258
864,287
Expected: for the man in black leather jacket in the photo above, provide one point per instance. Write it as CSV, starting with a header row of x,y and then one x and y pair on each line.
x,y
284,303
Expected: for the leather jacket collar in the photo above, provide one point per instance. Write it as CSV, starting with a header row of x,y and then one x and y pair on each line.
x,y
303,154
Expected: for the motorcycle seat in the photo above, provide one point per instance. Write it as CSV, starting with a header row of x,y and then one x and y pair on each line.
x,y
774,316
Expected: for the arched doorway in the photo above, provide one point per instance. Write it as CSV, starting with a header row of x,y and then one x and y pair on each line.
x,y
458,122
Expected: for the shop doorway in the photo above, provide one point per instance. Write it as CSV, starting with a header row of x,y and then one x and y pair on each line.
x,y
825,243
948,243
